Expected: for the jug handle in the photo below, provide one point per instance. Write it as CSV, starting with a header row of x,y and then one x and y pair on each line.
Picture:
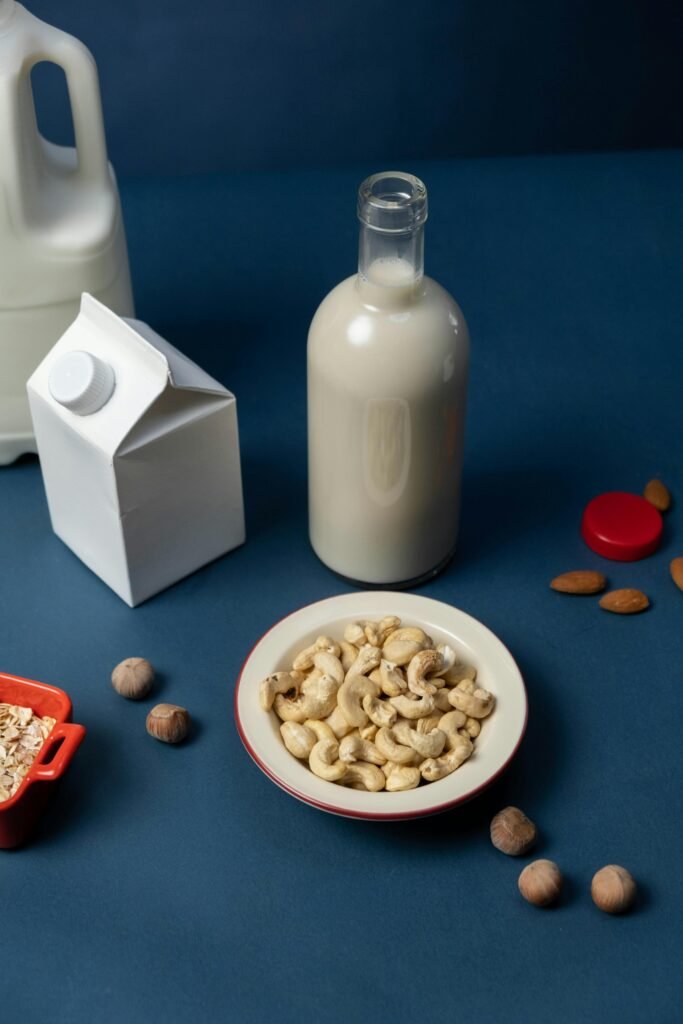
x,y
82,81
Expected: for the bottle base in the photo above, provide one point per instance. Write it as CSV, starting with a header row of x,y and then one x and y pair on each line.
x,y
415,581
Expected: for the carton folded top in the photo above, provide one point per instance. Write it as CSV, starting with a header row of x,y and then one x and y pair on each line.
x,y
145,366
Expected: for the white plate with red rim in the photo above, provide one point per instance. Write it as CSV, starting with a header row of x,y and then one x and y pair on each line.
x,y
476,645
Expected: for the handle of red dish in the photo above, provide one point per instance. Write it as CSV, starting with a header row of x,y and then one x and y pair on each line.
x,y
71,736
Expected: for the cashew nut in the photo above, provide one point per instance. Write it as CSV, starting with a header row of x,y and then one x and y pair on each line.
x,y
349,653
371,630
475,703
305,658
401,651
435,768
473,727
410,633
298,739
391,678
377,632
402,644
402,777
421,665
323,761
429,722
311,676
330,665
362,775
368,631
316,700
376,676
441,702
278,682
380,712
449,724
350,695
338,724
426,744
448,658
408,708
321,729
368,658
368,732
458,672
354,748
391,750
355,634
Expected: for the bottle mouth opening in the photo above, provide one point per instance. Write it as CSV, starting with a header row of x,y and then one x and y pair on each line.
x,y
392,201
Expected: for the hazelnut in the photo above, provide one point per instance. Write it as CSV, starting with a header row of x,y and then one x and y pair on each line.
x,y
613,889
540,882
168,723
512,832
133,678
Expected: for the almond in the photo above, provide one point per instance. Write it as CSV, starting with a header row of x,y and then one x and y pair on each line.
x,y
658,495
625,602
581,581
676,569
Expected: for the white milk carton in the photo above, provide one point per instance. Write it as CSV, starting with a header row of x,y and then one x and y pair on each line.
x,y
139,451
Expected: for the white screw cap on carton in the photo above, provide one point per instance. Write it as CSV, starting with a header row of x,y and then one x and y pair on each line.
x,y
81,382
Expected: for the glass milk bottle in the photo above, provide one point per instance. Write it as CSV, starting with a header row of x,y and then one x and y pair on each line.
x,y
388,353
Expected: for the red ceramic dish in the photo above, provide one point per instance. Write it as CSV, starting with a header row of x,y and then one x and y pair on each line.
x,y
19,814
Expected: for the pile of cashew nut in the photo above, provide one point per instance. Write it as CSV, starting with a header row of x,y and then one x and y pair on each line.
x,y
385,708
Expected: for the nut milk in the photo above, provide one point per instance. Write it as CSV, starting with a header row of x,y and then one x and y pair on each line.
x,y
388,353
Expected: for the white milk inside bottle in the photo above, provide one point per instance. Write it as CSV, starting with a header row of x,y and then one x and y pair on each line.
x,y
388,353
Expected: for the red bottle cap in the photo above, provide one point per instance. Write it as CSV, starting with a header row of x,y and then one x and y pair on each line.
x,y
621,526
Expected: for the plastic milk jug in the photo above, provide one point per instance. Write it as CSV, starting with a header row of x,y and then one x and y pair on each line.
x,y
61,231
388,354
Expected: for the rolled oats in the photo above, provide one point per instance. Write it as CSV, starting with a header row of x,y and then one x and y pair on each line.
x,y
22,734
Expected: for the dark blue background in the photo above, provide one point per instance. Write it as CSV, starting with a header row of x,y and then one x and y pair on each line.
x,y
233,84
174,886
179,885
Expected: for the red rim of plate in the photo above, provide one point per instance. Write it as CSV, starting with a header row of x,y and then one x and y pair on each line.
x,y
364,815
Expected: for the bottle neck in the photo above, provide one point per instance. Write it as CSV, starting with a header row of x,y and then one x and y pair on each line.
x,y
392,209
390,265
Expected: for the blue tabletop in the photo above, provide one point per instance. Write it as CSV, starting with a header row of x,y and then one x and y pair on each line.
x,y
178,884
